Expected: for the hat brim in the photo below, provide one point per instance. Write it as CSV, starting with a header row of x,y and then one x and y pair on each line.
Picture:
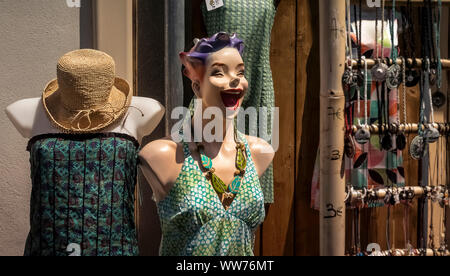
x,y
71,122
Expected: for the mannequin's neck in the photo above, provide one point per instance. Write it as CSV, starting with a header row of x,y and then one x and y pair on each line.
x,y
224,135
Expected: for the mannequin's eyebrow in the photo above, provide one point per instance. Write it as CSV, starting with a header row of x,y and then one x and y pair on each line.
x,y
218,65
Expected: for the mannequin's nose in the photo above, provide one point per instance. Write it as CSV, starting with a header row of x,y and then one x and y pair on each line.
x,y
235,82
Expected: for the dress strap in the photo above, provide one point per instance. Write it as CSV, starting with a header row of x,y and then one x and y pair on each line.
x,y
186,150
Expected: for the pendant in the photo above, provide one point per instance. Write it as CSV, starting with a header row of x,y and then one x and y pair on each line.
x,y
431,135
386,142
433,77
241,161
400,141
362,136
360,78
412,78
350,77
438,99
349,146
218,184
228,195
379,72
417,148
206,161
393,76
235,185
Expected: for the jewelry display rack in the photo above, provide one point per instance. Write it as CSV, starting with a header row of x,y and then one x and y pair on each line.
x,y
333,36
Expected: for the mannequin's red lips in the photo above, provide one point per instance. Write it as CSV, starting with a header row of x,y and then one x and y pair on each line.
x,y
231,97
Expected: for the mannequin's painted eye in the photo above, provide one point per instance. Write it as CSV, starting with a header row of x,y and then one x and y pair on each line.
x,y
217,73
241,73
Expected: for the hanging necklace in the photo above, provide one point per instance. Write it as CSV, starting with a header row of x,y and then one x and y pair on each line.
x,y
401,140
438,96
379,71
350,77
349,80
412,76
228,191
393,73
362,136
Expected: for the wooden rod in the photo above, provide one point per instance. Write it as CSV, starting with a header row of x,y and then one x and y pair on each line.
x,y
414,252
400,2
332,101
409,62
355,197
444,128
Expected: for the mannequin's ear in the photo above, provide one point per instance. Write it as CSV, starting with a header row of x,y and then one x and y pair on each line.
x,y
196,89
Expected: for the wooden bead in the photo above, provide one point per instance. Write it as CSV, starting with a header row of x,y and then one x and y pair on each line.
x,y
237,172
212,170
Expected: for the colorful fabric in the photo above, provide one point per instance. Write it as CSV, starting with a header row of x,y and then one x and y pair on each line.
x,y
252,21
371,167
195,223
82,195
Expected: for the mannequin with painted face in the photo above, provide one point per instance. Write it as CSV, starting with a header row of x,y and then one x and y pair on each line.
x,y
195,218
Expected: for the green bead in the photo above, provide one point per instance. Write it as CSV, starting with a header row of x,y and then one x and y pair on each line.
x,y
241,161
235,185
206,162
218,184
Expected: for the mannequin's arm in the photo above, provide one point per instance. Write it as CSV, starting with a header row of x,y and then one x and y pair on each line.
x,y
22,115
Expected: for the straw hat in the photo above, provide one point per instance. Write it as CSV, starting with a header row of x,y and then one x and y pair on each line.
x,y
87,96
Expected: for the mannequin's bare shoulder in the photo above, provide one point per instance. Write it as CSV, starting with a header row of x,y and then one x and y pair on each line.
x,y
262,153
147,113
22,114
163,157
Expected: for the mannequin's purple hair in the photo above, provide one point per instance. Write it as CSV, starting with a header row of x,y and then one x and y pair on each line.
x,y
205,47
217,42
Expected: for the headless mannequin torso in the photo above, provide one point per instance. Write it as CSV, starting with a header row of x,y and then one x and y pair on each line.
x,y
29,118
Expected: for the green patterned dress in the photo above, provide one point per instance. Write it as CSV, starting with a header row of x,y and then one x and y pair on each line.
x,y
252,21
82,200
194,221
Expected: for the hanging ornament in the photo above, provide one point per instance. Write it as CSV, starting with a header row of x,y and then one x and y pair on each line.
x,y
379,71
362,136
393,76
350,77
438,99
386,142
417,148
412,77
400,141
349,146
431,135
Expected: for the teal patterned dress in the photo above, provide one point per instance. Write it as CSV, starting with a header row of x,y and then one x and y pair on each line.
x,y
252,21
194,221
82,195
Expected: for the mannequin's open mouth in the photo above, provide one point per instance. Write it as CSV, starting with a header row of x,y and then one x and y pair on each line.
x,y
231,97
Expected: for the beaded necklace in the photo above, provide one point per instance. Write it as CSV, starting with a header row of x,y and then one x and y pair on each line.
x,y
229,191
